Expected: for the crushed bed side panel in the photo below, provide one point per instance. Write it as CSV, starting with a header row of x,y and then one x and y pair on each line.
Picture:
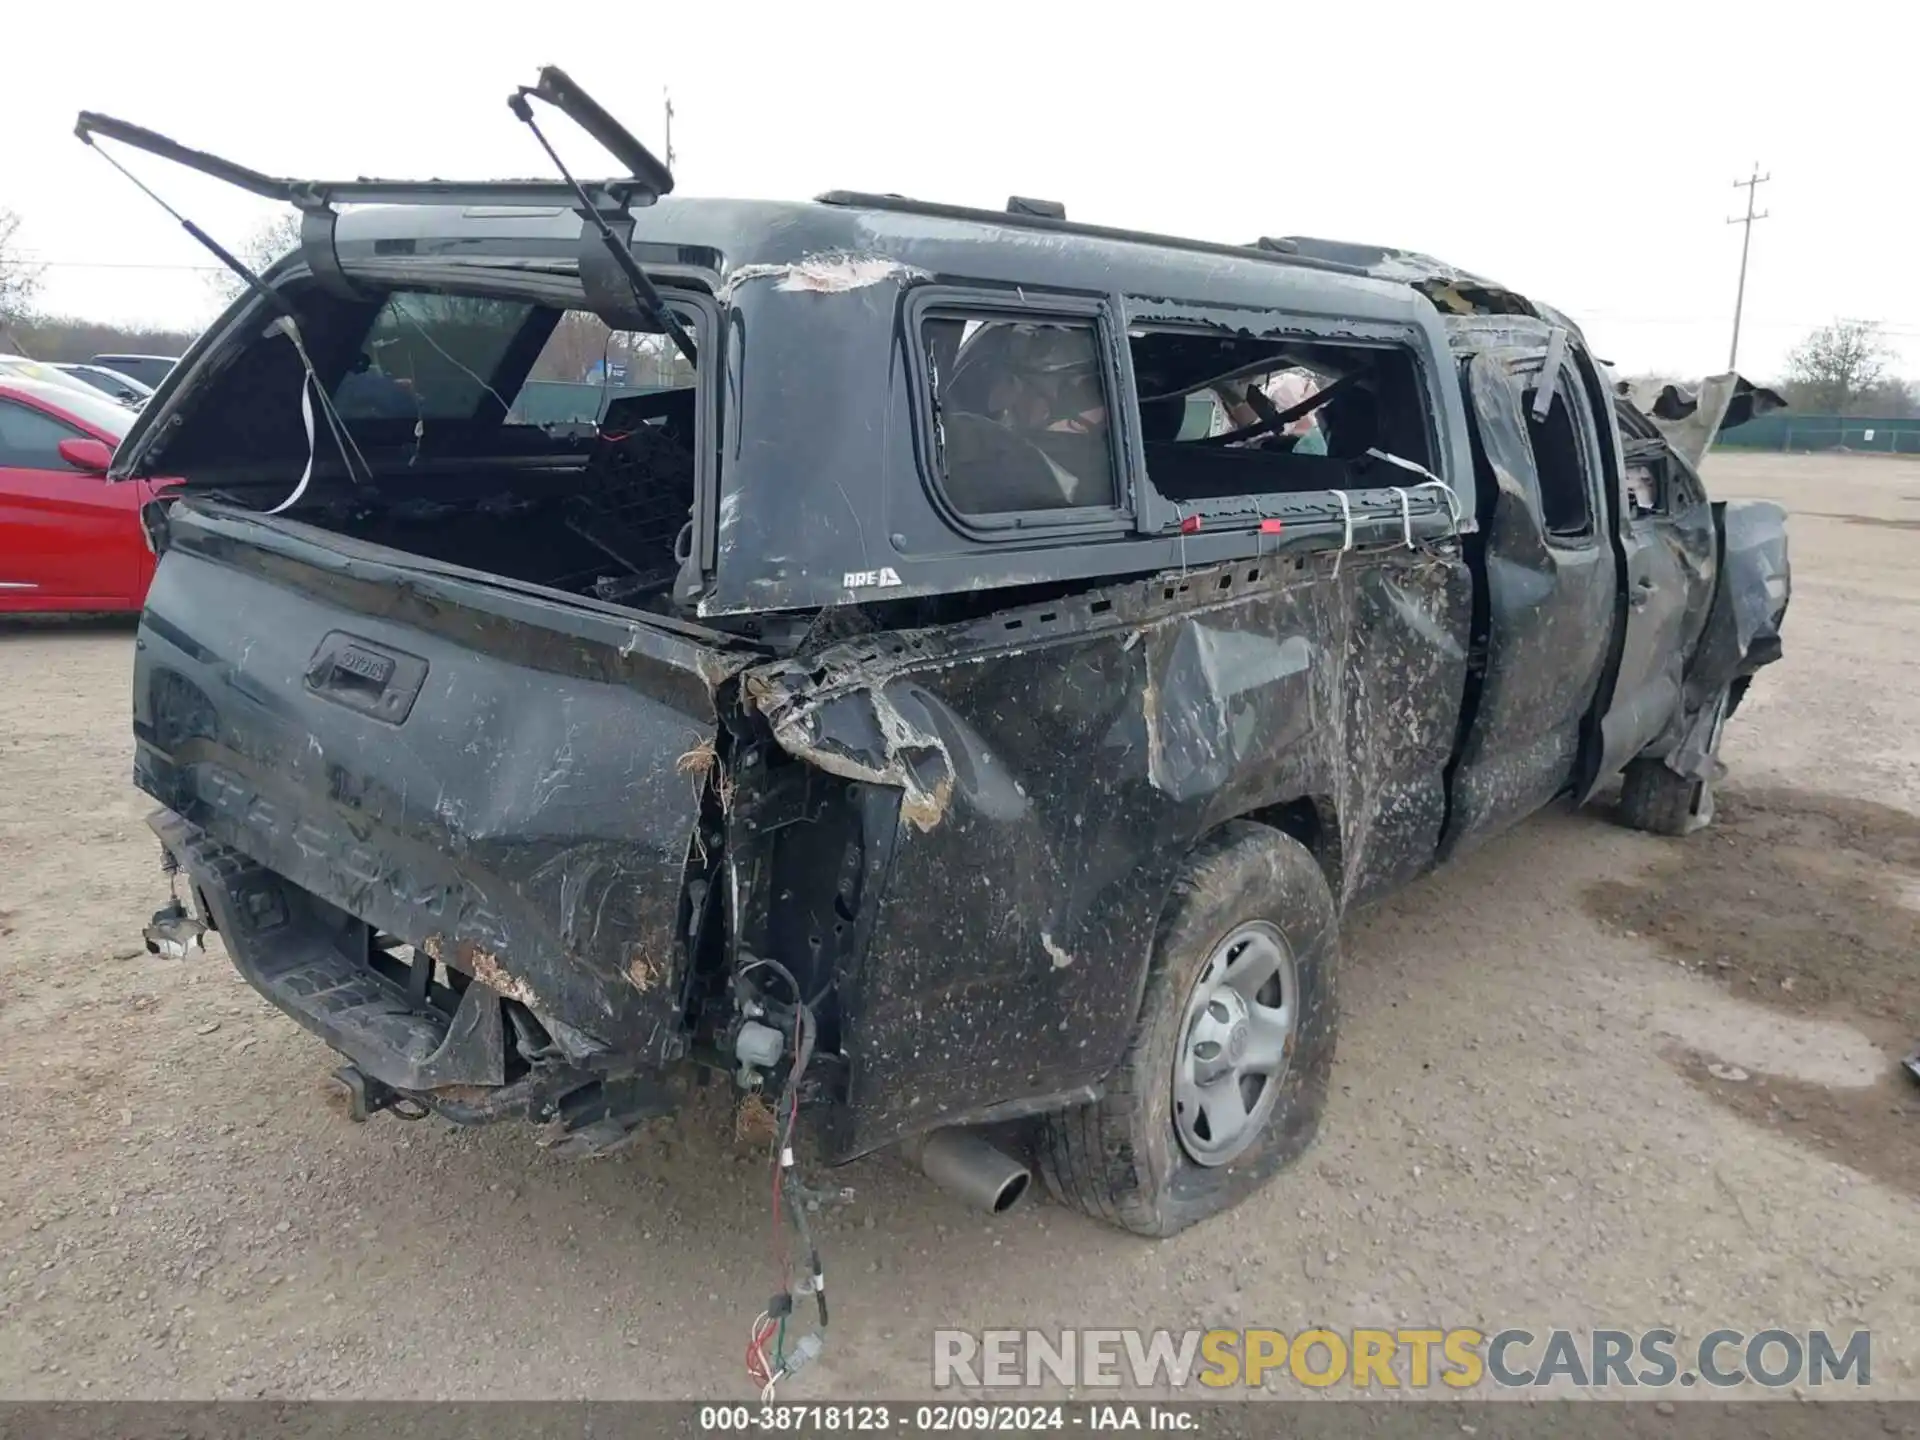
x,y
1053,776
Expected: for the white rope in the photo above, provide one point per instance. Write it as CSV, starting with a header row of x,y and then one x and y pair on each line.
x,y
310,387
285,326
306,418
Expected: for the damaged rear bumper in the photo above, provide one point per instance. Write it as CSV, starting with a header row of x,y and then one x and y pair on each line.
x,y
410,1023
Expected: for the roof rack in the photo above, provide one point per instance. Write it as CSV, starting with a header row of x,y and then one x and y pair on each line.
x,y
1025,219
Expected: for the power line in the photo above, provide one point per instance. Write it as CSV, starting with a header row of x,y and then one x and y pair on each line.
x,y
36,261
1751,185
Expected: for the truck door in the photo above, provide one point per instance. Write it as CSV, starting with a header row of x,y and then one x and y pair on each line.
x,y
1548,591
1662,523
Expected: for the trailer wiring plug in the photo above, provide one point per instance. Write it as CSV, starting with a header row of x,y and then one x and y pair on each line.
x,y
173,930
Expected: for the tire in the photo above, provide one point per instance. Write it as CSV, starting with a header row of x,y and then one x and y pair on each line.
x,y
1655,799
1125,1158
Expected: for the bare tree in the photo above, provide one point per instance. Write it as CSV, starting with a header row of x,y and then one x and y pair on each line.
x,y
54,338
19,279
582,348
1889,398
1837,364
269,241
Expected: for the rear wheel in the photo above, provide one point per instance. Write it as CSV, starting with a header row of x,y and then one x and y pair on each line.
x,y
1226,1074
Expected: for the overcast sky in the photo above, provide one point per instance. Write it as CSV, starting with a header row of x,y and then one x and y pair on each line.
x,y
1581,153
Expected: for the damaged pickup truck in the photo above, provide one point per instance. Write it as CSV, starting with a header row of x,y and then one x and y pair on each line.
x,y
899,656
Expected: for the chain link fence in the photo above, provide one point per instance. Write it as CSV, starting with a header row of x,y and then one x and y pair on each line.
x,y
1789,432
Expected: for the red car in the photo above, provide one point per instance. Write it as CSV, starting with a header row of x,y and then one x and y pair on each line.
x,y
68,539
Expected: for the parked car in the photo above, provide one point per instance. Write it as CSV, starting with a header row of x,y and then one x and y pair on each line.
x,y
149,370
111,383
20,367
68,539
908,712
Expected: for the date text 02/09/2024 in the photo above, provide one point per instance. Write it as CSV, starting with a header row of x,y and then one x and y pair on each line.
x,y
946,1418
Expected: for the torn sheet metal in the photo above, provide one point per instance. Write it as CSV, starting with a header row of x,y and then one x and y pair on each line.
x,y
1051,777
1690,418
828,273
1452,290
901,734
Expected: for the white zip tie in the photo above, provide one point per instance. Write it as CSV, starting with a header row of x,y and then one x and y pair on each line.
x,y
1453,500
1429,481
1346,517
1406,515
786,1157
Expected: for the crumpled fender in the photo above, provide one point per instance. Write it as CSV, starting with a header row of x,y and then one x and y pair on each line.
x,y
1743,628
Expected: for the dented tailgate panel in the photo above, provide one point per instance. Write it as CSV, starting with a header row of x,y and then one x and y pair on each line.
x,y
522,820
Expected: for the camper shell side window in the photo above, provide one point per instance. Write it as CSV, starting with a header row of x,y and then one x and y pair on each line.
x,y
1019,398
1227,416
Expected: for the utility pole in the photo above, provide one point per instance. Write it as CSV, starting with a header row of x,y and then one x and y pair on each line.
x,y
667,95
1751,184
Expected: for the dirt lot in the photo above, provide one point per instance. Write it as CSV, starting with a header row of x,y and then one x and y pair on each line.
x,y
1587,1077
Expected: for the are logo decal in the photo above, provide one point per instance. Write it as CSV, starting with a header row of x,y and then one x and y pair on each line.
x,y
871,579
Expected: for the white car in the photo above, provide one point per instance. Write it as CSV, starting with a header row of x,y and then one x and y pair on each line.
x,y
19,367
111,383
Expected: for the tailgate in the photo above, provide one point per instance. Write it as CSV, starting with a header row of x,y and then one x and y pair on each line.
x,y
487,773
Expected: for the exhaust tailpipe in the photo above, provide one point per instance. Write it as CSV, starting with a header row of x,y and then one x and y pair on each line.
x,y
966,1164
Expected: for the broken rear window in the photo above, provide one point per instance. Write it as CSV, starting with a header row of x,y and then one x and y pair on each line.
x,y
1224,415
1021,421
429,357
585,367
504,433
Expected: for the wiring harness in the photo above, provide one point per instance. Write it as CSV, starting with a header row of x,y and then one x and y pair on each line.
x,y
769,1357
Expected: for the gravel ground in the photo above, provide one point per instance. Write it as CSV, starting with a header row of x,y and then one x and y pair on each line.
x,y
1587,1077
